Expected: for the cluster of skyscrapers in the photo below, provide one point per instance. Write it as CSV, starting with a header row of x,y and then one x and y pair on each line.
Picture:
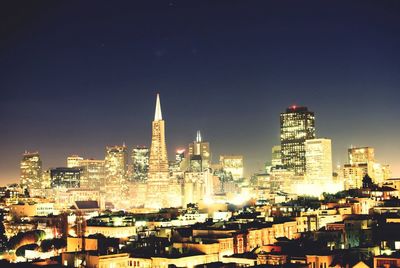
x,y
301,164
148,180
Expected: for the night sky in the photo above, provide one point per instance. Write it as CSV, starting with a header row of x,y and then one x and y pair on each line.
x,y
78,75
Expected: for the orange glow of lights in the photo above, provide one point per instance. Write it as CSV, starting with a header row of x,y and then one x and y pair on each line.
x,y
179,151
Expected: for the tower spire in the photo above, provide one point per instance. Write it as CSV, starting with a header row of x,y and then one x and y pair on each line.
x,y
158,115
198,136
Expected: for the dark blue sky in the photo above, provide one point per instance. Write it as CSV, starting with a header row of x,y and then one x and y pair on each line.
x,y
78,75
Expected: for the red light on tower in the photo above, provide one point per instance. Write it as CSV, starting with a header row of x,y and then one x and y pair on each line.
x,y
294,107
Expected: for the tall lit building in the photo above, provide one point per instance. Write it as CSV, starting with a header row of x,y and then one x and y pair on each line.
x,y
199,154
318,161
158,176
31,171
361,155
140,161
93,173
232,164
276,156
197,187
73,161
64,177
115,167
361,162
297,125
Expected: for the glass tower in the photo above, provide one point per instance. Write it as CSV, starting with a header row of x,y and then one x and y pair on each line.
x,y
297,126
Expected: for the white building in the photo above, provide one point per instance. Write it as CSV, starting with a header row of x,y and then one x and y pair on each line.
x,y
318,160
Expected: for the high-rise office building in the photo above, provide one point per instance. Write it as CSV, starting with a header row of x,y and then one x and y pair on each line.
x,y
31,171
318,161
361,155
297,125
115,167
73,161
199,154
276,156
158,176
140,162
361,162
197,187
232,164
93,173
64,177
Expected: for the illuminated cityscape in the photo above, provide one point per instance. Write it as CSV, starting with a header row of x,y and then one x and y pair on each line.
x,y
200,134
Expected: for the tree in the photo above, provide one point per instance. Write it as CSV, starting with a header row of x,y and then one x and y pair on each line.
x,y
55,243
30,237
21,250
367,181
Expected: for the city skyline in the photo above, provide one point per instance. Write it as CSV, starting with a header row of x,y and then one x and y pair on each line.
x,y
91,85
172,152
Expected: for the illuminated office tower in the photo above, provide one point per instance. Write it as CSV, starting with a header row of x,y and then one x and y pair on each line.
x,y
197,187
232,164
115,167
297,125
199,154
361,162
93,173
318,161
31,171
179,165
64,177
361,155
73,161
46,179
140,161
158,176
276,156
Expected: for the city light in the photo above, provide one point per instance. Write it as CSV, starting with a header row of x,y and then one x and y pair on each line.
x,y
242,156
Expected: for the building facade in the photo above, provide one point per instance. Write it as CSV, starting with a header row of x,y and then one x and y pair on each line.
x,y
158,175
63,177
232,164
199,154
31,171
318,161
93,173
74,161
297,125
115,166
140,161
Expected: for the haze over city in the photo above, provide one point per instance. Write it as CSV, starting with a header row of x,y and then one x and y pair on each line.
x,y
75,78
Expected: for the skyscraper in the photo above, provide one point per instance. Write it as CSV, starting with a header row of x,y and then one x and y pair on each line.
x,y
115,164
318,161
361,162
361,155
276,156
232,164
140,161
63,177
93,174
158,176
199,154
73,161
297,126
31,171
